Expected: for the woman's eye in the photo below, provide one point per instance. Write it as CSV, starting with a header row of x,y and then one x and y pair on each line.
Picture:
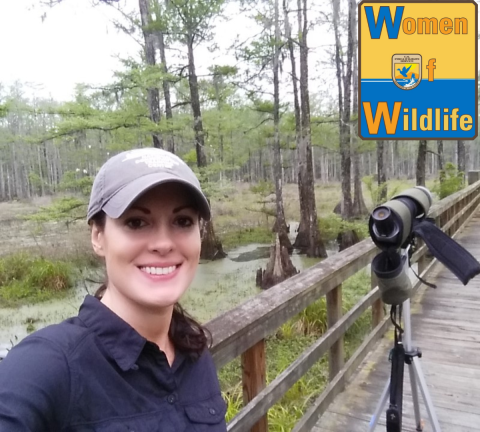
x,y
135,223
184,221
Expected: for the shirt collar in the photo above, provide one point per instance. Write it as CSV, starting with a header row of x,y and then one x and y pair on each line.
x,y
122,341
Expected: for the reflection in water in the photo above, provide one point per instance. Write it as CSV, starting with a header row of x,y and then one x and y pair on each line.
x,y
218,286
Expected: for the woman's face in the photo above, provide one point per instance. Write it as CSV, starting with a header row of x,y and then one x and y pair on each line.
x,y
152,251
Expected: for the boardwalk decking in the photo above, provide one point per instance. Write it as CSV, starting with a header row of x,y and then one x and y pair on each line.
x,y
446,327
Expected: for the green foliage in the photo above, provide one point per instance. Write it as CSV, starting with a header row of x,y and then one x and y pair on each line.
x,y
224,70
27,278
234,402
4,110
35,180
332,225
263,106
245,236
451,181
263,188
177,18
190,158
376,191
63,209
75,182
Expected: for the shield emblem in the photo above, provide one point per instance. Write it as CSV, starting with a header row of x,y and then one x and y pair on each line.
x,y
407,70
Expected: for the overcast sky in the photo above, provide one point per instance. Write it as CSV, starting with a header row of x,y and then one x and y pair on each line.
x,y
77,43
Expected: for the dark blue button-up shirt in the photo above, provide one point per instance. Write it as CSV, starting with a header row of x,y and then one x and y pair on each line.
x,y
95,373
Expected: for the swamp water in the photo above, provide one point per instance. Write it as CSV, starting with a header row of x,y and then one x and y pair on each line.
x,y
218,286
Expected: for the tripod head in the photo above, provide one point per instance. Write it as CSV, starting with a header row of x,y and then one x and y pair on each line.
x,y
393,227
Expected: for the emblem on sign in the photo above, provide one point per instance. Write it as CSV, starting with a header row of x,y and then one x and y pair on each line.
x,y
407,70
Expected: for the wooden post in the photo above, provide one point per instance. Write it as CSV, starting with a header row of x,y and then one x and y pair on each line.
x,y
378,311
334,313
254,379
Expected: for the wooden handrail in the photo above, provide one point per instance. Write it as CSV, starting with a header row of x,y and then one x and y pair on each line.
x,y
245,327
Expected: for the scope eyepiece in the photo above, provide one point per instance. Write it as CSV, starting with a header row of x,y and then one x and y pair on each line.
x,y
383,221
391,224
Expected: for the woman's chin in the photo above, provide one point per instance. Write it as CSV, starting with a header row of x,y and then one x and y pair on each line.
x,y
159,302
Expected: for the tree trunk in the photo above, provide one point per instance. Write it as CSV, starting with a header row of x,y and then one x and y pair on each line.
x,y
195,101
421,162
381,173
344,108
441,161
166,91
308,238
359,207
347,238
461,156
280,226
211,247
216,79
153,95
279,267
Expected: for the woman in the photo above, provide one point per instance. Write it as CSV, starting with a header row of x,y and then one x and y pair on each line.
x,y
131,360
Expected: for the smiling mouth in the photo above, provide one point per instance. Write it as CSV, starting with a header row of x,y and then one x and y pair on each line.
x,y
159,270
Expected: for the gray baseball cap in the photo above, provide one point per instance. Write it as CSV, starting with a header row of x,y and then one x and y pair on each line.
x,y
127,175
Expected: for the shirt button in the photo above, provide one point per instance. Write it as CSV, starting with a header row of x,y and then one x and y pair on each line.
x,y
171,398
212,411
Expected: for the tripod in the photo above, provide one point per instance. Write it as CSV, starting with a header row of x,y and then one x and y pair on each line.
x,y
402,354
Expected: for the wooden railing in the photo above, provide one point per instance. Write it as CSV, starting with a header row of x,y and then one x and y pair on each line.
x,y
242,331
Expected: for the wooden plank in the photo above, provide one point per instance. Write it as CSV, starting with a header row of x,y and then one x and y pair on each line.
x,y
238,329
260,404
445,391
307,422
359,422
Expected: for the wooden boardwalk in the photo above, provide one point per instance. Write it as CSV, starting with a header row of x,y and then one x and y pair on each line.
x,y
446,328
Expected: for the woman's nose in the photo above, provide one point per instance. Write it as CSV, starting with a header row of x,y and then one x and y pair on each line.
x,y
162,240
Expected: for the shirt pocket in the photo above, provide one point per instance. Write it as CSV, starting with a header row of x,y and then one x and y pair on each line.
x,y
208,415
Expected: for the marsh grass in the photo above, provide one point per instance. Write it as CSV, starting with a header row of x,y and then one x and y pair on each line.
x,y
287,344
246,236
26,278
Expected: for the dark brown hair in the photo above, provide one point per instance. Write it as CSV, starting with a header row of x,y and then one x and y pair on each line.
x,y
186,334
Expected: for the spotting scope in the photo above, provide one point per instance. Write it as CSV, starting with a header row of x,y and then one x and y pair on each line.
x,y
393,227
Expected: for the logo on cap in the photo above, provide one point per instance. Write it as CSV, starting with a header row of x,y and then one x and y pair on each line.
x,y
153,158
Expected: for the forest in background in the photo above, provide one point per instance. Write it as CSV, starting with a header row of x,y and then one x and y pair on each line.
x,y
258,120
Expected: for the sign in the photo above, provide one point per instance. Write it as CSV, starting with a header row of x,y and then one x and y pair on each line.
x,y
418,70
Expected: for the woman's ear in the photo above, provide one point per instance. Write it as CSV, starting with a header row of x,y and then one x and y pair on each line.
x,y
97,239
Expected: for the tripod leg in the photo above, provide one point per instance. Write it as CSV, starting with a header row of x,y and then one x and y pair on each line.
x,y
426,395
416,405
379,408
394,411
413,377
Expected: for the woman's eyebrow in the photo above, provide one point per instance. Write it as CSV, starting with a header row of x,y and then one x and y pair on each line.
x,y
177,209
